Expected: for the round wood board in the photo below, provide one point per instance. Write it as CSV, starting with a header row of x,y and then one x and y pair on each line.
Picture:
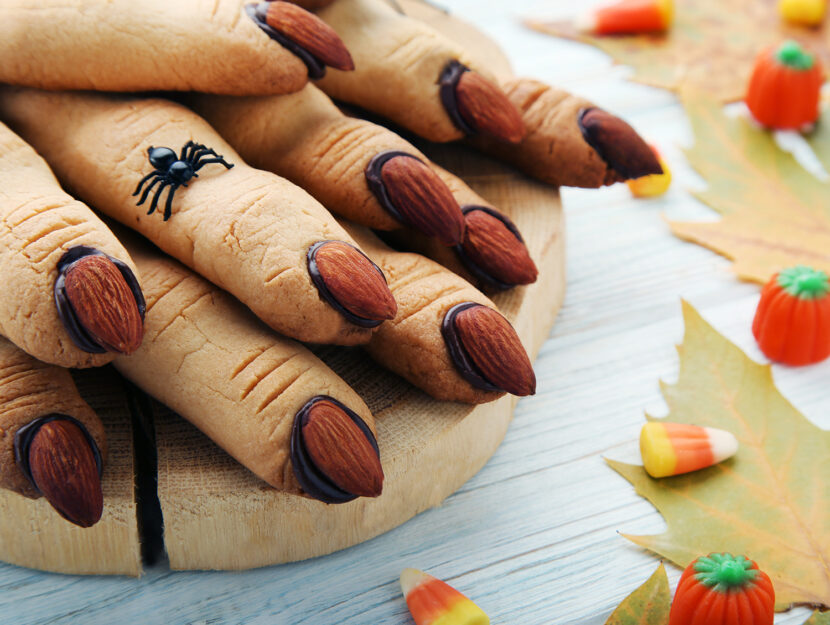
x,y
217,515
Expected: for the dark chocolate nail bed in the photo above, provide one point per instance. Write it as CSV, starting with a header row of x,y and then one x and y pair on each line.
x,y
258,13
472,267
67,314
617,143
24,435
374,179
463,363
448,82
319,281
311,479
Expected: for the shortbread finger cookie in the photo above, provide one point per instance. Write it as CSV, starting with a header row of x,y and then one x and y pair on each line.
x,y
266,400
492,255
359,170
569,141
409,73
123,45
52,444
448,338
370,175
251,232
69,294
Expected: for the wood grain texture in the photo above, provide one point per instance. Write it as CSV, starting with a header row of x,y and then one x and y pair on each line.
x,y
111,546
219,516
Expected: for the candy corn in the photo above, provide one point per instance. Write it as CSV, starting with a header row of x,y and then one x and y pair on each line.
x,y
675,448
654,184
803,12
628,17
432,602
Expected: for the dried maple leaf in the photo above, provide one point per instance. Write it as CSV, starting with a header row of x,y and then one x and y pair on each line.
x,y
771,501
775,214
711,46
818,618
648,605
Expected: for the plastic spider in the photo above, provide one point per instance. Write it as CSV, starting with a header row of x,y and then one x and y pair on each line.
x,y
174,172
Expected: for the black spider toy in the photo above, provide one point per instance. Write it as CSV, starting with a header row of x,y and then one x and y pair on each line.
x,y
174,172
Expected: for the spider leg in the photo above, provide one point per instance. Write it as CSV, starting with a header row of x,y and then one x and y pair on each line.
x,y
200,153
168,207
185,149
196,147
156,197
147,190
145,179
197,166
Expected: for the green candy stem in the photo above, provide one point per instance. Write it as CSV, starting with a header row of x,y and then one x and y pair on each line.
x,y
793,55
804,282
723,571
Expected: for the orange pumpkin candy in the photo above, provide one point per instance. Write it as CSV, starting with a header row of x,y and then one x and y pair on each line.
x,y
784,88
792,321
722,589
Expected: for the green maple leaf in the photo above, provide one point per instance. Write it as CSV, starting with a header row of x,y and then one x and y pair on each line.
x,y
771,501
820,141
818,618
774,213
648,605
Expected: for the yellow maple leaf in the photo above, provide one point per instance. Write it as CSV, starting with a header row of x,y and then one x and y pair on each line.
x,y
648,605
775,214
711,46
771,501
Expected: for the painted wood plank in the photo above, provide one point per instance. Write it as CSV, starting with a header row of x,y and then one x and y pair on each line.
x,y
533,537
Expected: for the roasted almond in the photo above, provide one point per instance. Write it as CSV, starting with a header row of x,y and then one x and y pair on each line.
x,y
341,450
494,250
487,351
101,302
351,283
618,144
414,194
334,454
64,469
304,34
486,109
477,106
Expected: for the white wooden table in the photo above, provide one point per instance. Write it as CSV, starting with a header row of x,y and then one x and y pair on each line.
x,y
533,537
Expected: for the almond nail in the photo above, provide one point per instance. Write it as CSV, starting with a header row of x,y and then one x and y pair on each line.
x,y
487,351
303,33
351,283
493,250
99,302
334,454
618,144
62,462
414,194
477,106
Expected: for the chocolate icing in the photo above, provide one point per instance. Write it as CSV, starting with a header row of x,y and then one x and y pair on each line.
x,y
474,269
25,434
461,359
257,12
448,80
320,283
312,480
66,313
374,179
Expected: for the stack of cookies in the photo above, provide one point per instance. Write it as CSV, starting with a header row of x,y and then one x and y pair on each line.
x,y
197,237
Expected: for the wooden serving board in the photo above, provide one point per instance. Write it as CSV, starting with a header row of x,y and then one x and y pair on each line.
x,y
217,515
